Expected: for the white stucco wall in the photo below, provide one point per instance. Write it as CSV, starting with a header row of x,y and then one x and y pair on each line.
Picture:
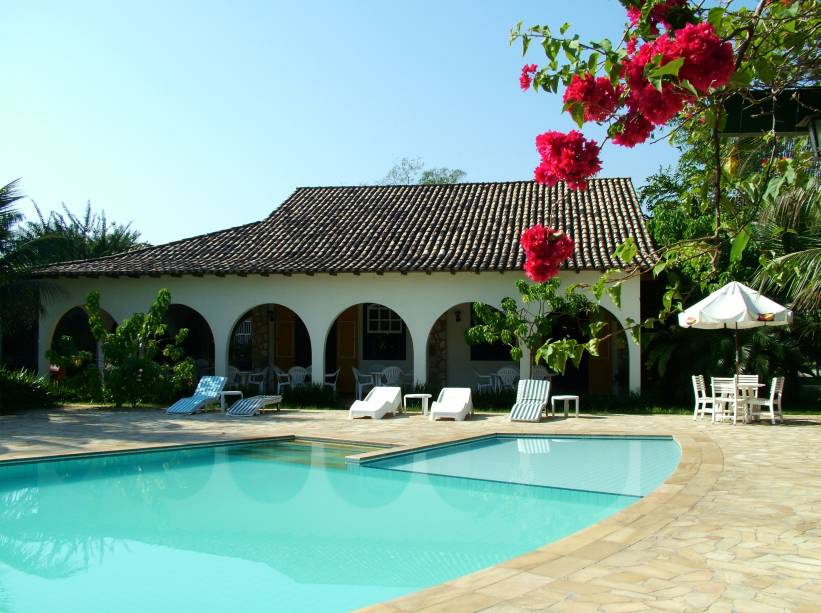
x,y
418,298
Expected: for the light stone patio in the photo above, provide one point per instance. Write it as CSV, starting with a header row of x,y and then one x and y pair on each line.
x,y
737,527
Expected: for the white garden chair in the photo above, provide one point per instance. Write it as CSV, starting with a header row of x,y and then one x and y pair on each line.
x,y
330,379
772,403
298,376
392,376
484,383
362,381
283,379
233,377
506,378
703,402
725,400
258,378
537,371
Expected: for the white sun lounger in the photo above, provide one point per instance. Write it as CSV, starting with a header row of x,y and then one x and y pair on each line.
x,y
253,405
379,402
208,390
531,399
453,402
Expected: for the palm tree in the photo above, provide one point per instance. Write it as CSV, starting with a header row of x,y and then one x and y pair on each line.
x,y
18,293
790,233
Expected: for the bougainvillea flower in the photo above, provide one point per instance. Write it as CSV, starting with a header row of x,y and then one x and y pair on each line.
x,y
708,62
526,78
597,95
545,250
635,129
567,157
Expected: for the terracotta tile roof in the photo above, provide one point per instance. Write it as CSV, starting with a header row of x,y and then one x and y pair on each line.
x,y
459,227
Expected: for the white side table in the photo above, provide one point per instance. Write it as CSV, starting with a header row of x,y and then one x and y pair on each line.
x,y
228,393
423,397
566,399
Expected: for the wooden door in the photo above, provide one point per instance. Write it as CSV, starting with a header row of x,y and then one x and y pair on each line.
x,y
346,349
285,322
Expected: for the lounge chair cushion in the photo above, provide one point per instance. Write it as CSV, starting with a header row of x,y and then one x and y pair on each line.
x,y
527,410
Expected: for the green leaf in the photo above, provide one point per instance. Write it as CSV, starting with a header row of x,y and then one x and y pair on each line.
x,y
689,87
626,251
670,68
525,44
715,16
577,113
659,268
614,291
564,28
739,244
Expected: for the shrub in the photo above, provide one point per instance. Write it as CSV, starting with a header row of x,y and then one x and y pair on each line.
x,y
22,389
500,400
310,396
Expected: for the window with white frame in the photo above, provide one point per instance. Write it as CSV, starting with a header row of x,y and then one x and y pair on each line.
x,y
242,334
383,335
382,320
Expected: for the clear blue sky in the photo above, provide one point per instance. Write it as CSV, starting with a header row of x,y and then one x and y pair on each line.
x,y
188,117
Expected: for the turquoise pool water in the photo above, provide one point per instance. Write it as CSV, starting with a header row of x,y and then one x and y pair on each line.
x,y
264,526
631,466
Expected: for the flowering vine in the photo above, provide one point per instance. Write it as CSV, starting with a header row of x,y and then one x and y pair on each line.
x,y
545,250
671,58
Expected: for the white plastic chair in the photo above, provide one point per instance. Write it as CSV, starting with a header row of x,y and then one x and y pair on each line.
x,y
507,378
703,402
772,403
725,401
298,375
484,383
283,379
362,381
330,379
392,376
233,377
537,371
258,378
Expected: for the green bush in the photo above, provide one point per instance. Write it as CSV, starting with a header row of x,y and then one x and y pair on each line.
x,y
498,400
310,396
22,389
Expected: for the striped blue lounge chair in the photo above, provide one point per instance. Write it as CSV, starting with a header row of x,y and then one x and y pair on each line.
x,y
253,405
531,399
208,390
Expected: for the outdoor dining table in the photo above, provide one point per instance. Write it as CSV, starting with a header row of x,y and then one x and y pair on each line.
x,y
747,390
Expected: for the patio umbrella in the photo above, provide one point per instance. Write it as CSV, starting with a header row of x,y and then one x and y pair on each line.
x,y
735,306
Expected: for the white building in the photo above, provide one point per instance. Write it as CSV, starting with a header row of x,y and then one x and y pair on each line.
x,y
338,277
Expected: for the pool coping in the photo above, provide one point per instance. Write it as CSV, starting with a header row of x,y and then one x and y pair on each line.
x,y
699,467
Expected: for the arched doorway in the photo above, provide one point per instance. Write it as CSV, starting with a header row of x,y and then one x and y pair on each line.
x,y
369,337
199,344
268,336
454,362
72,334
604,375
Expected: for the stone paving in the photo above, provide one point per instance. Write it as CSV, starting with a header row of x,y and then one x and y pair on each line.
x,y
737,527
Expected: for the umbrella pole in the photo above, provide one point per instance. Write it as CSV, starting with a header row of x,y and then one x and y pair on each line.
x,y
737,354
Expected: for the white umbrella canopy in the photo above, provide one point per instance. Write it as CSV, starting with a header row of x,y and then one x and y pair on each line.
x,y
735,306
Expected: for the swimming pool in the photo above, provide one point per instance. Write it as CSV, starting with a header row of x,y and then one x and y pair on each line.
x,y
270,525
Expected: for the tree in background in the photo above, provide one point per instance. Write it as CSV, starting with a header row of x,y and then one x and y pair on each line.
x,y
80,237
412,171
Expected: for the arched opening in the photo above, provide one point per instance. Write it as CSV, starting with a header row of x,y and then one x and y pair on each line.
x,y
368,337
604,375
267,338
199,344
454,362
72,335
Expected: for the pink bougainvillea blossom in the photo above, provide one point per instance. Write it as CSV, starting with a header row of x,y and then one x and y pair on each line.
x,y
526,78
708,62
597,95
567,157
545,250
635,129
658,14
